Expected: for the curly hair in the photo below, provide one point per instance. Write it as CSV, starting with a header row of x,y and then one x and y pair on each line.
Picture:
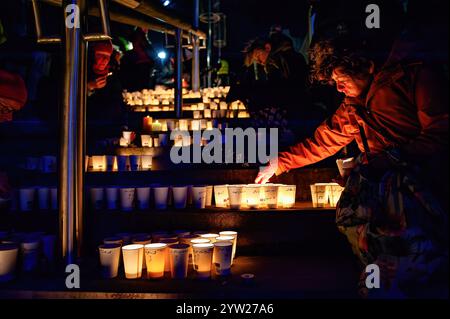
x,y
329,54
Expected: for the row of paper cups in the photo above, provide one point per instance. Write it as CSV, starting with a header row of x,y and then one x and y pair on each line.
x,y
38,197
26,249
255,196
121,163
127,198
45,164
162,253
324,194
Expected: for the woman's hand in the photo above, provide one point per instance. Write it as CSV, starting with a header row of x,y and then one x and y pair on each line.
x,y
266,172
98,83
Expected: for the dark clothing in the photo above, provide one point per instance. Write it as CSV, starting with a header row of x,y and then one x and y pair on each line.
x,y
137,71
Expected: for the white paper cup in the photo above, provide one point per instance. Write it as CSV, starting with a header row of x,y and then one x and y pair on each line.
x,y
26,196
127,136
345,166
270,195
252,196
143,197
127,198
235,193
132,260
8,261
112,198
233,234
146,141
54,198
142,240
111,163
99,163
168,241
48,164
210,236
161,196
180,194
49,247
335,191
43,198
221,196
202,260
29,250
319,194
135,162
97,196
186,239
209,193
199,196
123,163
146,161
109,259
178,257
155,258
286,196
222,257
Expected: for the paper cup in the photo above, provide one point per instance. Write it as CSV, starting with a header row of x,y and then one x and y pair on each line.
x,y
286,196
111,163
222,257
112,198
210,236
180,194
270,195
123,163
199,196
221,196
345,166
161,196
146,141
252,196
132,259
142,240
235,196
109,259
202,260
178,257
43,198
127,136
29,250
127,199
26,196
97,195
186,239
335,191
99,163
146,161
168,241
143,197
155,258
135,162
209,193
54,198
231,234
319,194
48,164
8,261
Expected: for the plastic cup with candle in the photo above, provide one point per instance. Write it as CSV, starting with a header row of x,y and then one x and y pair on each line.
x,y
143,197
146,141
270,195
319,194
26,196
132,259
97,195
222,257
233,234
161,195
235,196
8,258
202,259
155,257
111,163
286,196
199,196
127,198
221,196
180,194
178,257
135,162
123,163
43,198
112,197
109,259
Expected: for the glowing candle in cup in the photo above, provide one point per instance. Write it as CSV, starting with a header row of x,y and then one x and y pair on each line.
x,y
286,196
222,257
233,234
155,257
132,259
202,259
221,195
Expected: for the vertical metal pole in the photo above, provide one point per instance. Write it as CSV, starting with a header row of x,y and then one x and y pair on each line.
x,y
178,73
209,48
196,50
68,141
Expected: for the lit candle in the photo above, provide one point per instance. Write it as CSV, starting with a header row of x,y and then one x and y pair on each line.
x,y
147,123
156,126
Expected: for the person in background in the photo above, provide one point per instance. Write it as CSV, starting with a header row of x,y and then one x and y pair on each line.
x,y
13,96
394,208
